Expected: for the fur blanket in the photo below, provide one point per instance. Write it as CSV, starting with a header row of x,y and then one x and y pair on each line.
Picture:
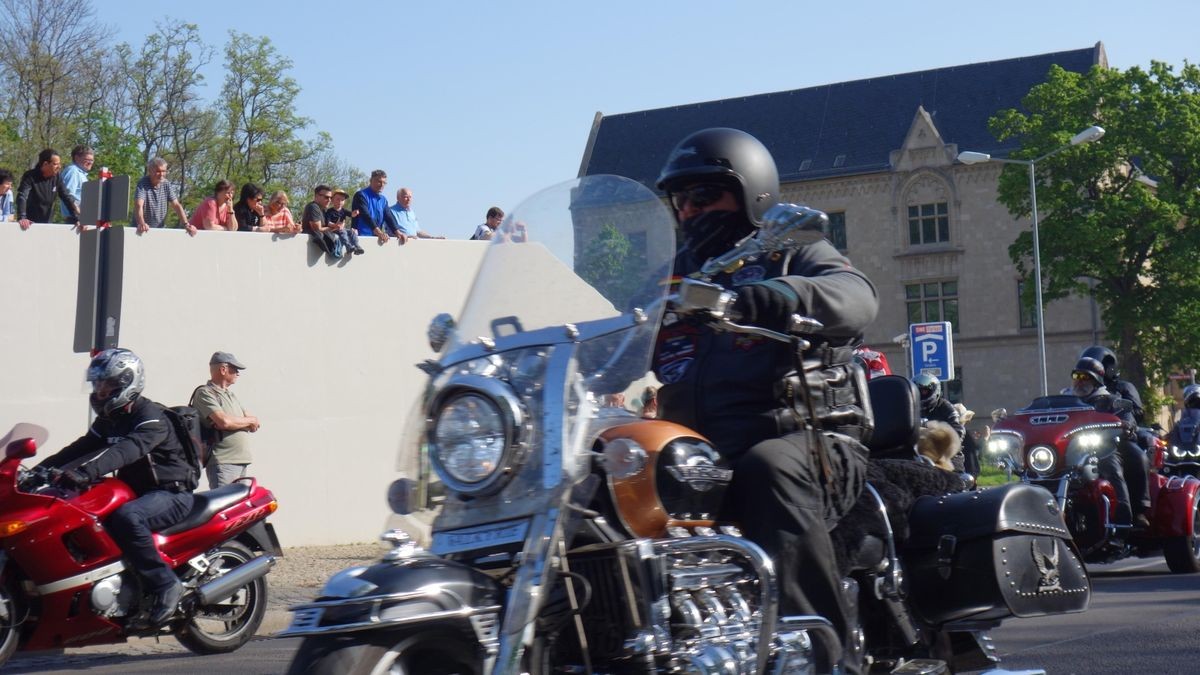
x,y
900,482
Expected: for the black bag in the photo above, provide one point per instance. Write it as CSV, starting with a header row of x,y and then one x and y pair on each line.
x,y
209,436
186,421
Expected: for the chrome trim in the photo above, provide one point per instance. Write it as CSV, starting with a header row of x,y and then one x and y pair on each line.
x,y
542,337
817,626
81,579
764,567
516,630
893,579
308,621
508,403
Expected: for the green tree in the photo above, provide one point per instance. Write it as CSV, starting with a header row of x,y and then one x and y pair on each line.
x,y
1119,214
609,263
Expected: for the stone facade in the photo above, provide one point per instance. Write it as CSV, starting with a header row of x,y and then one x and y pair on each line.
x,y
995,353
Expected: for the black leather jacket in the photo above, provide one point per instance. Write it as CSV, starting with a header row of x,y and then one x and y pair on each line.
x,y
727,386
944,411
139,445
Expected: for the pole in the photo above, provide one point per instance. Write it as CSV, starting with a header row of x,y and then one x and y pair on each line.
x,y
1037,276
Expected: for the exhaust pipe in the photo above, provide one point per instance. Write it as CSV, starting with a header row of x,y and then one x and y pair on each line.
x,y
224,586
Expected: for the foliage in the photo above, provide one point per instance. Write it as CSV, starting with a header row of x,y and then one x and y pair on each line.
x,y
1119,214
610,265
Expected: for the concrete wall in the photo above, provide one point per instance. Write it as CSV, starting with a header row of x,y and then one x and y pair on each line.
x,y
330,348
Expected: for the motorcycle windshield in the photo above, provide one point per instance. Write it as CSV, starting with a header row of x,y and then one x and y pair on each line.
x,y
587,249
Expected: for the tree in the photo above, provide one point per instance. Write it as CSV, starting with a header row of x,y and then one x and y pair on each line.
x,y
612,266
260,122
1119,214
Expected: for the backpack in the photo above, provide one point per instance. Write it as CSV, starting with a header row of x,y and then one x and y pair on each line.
x,y
209,436
186,422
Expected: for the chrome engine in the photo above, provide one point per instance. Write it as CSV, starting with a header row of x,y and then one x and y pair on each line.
x,y
112,596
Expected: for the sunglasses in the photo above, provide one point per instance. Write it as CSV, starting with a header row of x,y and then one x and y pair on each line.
x,y
699,196
1079,377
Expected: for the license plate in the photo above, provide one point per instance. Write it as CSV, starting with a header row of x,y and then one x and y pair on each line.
x,y
480,536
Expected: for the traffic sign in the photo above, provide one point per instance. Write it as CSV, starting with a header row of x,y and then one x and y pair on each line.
x,y
932,348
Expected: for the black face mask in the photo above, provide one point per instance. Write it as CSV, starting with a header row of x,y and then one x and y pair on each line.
x,y
713,233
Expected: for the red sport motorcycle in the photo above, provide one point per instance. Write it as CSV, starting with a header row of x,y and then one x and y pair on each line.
x,y
1058,442
63,582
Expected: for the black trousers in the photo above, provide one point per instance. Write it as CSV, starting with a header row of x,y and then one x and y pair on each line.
x,y
778,499
1137,474
133,526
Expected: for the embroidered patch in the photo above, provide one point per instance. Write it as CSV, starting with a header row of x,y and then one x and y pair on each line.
x,y
749,275
673,372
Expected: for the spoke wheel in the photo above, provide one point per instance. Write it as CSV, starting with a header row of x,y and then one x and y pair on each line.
x,y
224,626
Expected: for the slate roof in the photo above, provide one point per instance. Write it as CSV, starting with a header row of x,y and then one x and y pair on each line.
x,y
861,121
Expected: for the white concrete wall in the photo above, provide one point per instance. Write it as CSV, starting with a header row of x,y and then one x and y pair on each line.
x,y
330,348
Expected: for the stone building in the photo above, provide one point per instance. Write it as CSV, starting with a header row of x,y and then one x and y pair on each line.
x,y
878,155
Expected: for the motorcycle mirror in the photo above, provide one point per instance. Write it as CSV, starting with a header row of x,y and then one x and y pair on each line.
x,y
999,414
403,496
22,448
785,227
23,440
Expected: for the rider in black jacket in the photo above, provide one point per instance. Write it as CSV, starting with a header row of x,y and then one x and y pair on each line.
x,y
132,436
787,491
1133,455
1087,382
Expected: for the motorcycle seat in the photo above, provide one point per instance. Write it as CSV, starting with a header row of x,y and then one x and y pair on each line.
x,y
869,554
897,409
205,505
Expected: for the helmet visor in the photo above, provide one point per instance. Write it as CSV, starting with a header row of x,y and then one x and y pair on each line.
x,y
927,391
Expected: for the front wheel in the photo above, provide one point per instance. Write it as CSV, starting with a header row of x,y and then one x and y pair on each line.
x,y
224,626
9,623
1183,553
428,652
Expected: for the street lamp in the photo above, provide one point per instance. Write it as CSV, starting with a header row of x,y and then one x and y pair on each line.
x,y
1086,136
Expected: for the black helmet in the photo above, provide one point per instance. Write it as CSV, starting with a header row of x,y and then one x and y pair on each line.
x,y
1191,396
727,155
1106,357
1090,367
117,377
929,388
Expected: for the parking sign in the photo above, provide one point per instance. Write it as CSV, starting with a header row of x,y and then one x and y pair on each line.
x,y
932,347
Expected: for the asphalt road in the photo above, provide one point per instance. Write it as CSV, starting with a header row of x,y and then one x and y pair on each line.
x,y
1142,619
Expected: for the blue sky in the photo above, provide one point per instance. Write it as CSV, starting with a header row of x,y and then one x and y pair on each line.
x,y
473,104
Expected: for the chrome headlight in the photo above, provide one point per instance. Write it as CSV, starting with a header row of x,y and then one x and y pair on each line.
x,y
1179,452
1041,459
474,434
1000,445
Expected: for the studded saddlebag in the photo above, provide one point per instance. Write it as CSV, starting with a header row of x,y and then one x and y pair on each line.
x,y
992,554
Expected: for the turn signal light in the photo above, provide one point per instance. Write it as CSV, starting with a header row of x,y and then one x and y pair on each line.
x,y
272,507
10,527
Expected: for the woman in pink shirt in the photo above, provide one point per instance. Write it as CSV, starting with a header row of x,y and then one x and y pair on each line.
x,y
216,212
278,217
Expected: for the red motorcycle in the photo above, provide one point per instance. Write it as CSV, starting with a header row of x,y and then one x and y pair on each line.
x,y
63,582
1058,442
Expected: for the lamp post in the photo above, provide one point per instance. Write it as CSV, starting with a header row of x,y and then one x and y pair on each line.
x,y
967,157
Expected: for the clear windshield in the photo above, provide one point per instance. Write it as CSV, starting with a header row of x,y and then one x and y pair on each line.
x,y
591,248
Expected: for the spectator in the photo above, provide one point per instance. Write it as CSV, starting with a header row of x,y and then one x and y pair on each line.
x,y
405,218
970,442
6,196
216,212
38,188
75,175
650,403
278,217
154,193
222,414
488,227
314,223
371,207
249,209
339,219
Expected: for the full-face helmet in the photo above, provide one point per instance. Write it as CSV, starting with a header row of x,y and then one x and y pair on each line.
x,y
117,378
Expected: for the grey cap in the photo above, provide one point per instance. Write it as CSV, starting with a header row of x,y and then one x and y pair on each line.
x,y
226,357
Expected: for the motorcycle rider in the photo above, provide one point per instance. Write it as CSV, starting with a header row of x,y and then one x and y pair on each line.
x,y
132,436
935,407
787,490
1087,382
1133,455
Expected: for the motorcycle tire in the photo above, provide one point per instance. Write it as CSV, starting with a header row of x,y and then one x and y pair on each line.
x,y
240,616
9,622
413,652
1183,553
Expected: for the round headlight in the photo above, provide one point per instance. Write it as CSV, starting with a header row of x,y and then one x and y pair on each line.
x,y
1178,451
1041,459
469,438
997,446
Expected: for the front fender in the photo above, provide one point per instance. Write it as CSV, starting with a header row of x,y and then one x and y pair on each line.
x,y
1173,506
419,590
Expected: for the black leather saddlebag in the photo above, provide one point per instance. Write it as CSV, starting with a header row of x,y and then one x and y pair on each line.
x,y
992,554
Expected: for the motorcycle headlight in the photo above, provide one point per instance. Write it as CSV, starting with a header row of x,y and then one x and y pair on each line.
x,y
472,437
999,446
1090,440
1041,459
1177,451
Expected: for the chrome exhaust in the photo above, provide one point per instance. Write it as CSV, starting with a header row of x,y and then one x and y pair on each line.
x,y
227,584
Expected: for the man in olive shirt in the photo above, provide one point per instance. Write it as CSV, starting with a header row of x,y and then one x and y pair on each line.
x,y
222,414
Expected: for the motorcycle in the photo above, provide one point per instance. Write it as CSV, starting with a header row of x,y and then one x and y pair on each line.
x,y
573,536
63,582
1058,442
1183,443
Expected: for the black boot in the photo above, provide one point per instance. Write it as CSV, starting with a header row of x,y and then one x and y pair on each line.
x,y
166,601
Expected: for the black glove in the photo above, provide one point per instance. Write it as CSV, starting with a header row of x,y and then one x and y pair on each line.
x,y
74,479
769,304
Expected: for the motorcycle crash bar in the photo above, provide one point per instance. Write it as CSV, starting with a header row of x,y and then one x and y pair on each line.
x,y
227,584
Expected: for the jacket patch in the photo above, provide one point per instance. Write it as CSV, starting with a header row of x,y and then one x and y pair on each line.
x,y
749,275
673,372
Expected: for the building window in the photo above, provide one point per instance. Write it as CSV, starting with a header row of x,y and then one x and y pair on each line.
x,y
837,230
1027,314
954,388
932,301
928,224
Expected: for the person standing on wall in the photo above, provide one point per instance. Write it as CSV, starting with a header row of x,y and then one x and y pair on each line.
x,y
225,421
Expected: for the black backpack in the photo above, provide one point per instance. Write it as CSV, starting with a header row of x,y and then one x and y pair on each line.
x,y
186,422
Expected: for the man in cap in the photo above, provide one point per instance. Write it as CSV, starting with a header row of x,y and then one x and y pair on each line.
x,y
224,421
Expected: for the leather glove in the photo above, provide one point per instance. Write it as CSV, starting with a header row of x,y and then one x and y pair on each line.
x,y
769,304
74,479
